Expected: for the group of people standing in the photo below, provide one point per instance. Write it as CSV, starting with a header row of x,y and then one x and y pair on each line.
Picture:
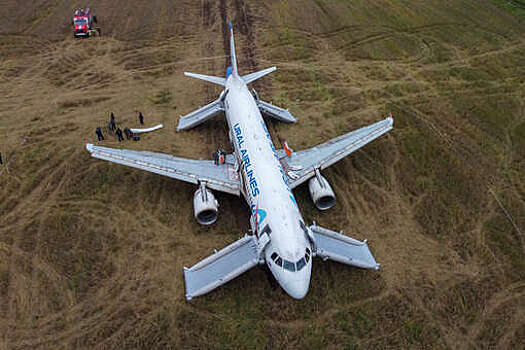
x,y
112,127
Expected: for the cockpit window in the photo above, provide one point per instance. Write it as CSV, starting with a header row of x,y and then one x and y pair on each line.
x,y
306,257
300,264
279,262
274,256
308,251
288,265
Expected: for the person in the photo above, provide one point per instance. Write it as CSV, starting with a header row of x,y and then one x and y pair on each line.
x,y
127,132
99,134
112,125
119,135
1,161
141,118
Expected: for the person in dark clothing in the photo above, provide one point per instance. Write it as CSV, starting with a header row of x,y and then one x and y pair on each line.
x,y
1,161
127,132
112,125
119,135
99,134
141,118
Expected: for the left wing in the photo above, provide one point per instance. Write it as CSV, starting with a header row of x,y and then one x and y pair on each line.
x,y
218,177
346,250
301,165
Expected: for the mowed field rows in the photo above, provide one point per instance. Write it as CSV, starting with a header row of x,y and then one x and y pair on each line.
x,y
92,253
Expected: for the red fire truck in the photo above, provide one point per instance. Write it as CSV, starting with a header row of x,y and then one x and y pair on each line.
x,y
83,23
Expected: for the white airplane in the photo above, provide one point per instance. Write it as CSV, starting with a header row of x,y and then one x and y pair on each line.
x,y
265,176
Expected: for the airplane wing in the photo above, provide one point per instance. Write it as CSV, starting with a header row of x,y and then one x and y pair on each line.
x,y
301,165
200,115
218,177
221,267
338,247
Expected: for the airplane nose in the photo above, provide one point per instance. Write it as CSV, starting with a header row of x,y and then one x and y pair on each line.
x,y
297,284
297,289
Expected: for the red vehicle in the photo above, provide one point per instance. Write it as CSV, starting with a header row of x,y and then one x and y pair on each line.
x,y
83,21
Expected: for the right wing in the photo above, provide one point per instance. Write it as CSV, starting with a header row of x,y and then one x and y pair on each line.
x,y
338,247
221,267
200,115
218,177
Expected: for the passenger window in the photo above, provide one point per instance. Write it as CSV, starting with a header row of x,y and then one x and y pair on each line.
x,y
300,264
290,266
279,262
274,255
307,257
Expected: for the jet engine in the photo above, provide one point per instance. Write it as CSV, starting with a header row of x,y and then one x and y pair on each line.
x,y
321,192
205,206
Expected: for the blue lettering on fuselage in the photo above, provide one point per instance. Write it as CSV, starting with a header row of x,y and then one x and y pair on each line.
x,y
245,158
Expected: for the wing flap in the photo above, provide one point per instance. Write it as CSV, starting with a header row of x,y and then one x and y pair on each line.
x,y
221,178
346,250
276,112
322,156
200,115
221,267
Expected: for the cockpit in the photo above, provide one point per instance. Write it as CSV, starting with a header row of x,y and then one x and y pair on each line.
x,y
289,265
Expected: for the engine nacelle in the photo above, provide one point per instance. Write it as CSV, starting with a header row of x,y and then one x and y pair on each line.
x,y
205,206
321,192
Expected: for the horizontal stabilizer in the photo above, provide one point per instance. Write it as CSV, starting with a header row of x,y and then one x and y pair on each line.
x,y
346,250
221,267
275,112
254,76
200,115
208,78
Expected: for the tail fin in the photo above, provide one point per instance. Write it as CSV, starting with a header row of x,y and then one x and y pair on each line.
x,y
232,48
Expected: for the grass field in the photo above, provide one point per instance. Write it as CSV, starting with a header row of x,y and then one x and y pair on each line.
x,y
91,253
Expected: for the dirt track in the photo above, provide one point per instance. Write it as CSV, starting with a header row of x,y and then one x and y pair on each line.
x,y
91,254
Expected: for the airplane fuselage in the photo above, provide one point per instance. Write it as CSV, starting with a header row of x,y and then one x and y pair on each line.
x,y
265,188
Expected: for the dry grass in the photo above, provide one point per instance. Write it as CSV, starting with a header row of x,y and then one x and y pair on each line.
x,y
91,254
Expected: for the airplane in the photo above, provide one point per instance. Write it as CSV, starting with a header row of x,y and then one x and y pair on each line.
x,y
265,177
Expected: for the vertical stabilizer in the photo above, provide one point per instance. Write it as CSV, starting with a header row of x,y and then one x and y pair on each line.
x,y
232,48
